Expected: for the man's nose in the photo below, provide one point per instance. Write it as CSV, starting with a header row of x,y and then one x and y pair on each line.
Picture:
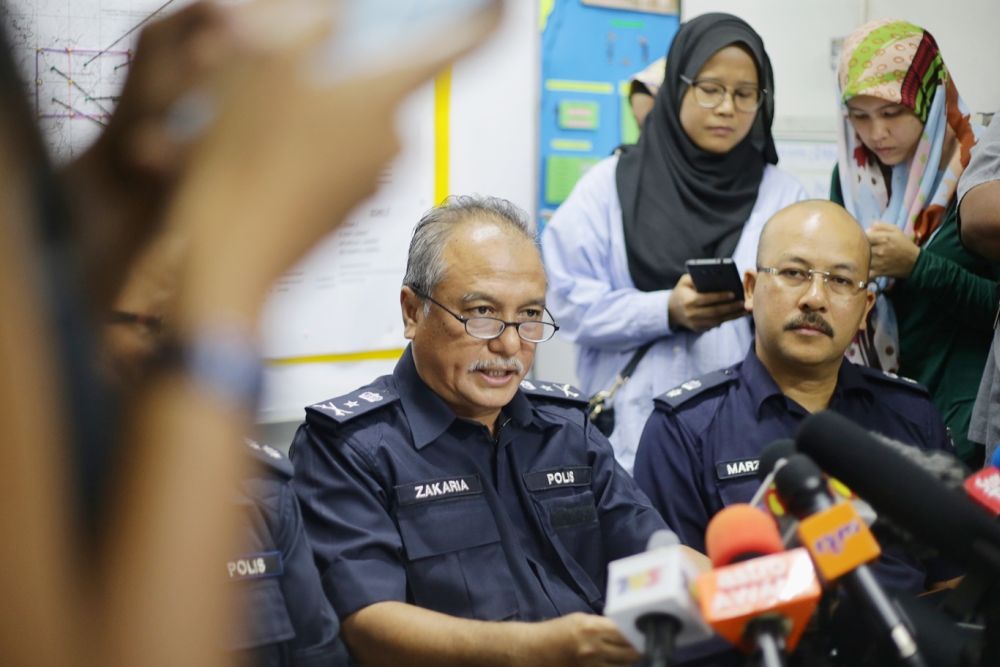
x,y
508,343
817,295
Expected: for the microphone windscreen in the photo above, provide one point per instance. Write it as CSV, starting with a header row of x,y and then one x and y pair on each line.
x,y
774,452
740,532
896,486
662,538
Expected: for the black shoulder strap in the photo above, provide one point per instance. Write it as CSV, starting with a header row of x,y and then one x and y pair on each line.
x,y
630,367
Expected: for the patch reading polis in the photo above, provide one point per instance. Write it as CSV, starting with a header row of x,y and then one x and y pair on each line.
x,y
557,477
737,468
255,566
435,489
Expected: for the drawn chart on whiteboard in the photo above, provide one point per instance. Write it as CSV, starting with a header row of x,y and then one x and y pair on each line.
x,y
74,56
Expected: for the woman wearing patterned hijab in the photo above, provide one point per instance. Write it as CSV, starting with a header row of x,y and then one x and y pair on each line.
x,y
700,183
904,142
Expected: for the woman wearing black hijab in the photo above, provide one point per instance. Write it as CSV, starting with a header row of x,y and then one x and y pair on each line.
x,y
700,183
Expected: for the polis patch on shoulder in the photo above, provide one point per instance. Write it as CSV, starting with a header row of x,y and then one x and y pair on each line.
x,y
255,566
557,477
737,468
438,489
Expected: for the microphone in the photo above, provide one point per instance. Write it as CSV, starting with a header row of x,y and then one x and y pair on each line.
x,y
649,599
758,598
840,545
772,457
940,517
984,486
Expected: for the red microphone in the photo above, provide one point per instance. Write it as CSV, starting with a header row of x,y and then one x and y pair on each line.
x,y
984,486
759,598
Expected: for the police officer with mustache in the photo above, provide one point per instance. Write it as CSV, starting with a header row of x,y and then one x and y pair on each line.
x,y
700,449
461,513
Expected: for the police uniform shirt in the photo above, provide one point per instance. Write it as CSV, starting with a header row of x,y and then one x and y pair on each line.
x,y
699,450
284,617
404,501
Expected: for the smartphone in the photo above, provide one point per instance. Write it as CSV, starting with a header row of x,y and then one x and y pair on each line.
x,y
715,274
376,35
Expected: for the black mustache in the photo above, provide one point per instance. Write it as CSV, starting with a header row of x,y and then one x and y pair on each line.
x,y
811,319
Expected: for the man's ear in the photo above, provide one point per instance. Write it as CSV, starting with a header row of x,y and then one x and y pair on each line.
x,y
412,307
749,282
869,303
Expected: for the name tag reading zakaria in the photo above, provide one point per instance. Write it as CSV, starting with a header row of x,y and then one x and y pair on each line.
x,y
436,489
737,468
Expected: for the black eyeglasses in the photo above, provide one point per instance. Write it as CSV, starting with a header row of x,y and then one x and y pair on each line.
x,y
710,94
488,328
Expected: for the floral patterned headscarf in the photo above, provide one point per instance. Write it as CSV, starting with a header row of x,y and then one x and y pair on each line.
x,y
900,63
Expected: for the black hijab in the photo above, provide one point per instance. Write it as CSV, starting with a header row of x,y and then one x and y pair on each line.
x,y
678,201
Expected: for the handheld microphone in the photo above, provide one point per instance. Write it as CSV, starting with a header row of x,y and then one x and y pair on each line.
x,y
649,599
759,598
940,517
840,545
984,486
774,456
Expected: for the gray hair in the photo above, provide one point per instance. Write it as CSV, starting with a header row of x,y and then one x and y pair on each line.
x,y
425,267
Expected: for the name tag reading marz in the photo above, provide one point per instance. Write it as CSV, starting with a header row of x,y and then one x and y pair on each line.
x,y
557,477
737,468
255,566
435,489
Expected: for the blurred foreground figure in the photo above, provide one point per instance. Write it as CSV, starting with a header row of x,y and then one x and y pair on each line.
x,y
118,562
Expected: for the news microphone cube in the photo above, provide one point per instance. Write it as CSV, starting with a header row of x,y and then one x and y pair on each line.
x,y
656,581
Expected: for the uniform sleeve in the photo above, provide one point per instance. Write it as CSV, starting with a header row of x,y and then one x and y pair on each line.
x,y
668,468
627,517
356,544
578,247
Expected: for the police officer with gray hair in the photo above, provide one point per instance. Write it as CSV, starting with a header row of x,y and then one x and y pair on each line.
x,y
455,494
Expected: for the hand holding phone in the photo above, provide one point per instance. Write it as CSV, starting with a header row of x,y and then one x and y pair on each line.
x,y
715,274
706,304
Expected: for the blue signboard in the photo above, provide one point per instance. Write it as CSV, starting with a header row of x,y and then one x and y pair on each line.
x,y
588,56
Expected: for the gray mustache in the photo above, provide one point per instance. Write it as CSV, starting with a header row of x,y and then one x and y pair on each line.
x,y
512,364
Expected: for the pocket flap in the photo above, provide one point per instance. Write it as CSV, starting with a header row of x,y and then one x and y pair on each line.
x,y
447,525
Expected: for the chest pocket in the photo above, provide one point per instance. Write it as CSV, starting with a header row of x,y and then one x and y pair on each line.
x,y
566,508
455,561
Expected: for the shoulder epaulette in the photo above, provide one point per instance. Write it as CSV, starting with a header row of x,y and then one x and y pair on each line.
x,y
358,402
685,391
554,390
893,379
270,457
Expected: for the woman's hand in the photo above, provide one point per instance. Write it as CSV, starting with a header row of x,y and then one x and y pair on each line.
x,y
893,254
690,309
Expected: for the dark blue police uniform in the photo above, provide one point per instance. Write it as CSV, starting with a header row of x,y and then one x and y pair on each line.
x,y
284,617
404,501
699,451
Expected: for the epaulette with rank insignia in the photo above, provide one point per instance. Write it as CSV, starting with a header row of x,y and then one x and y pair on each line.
x,y
685,391
270,457
554,390
358,402
893,379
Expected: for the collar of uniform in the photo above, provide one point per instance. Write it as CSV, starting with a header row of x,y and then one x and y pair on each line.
x,y
850,380
762,386
427,414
